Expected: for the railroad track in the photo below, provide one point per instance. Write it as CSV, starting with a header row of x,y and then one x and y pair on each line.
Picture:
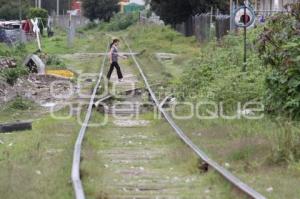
x,y
77,184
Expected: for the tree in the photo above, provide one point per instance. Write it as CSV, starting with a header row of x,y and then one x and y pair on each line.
x,y
100,9
9,10
50,5
39,13
177,11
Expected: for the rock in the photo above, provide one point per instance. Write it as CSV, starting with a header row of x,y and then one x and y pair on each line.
x,y
35,64
207,191
38,172
227,165
270,189
7,63
246,112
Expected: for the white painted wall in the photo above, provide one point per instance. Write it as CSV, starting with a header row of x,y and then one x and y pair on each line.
x,y
141,2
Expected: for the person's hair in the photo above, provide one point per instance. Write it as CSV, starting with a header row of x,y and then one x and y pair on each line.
x,y
114,41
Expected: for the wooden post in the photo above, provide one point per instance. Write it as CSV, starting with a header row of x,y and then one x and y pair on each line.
x,y
16,126
231,15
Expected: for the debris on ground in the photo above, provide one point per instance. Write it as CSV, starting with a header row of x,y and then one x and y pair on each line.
x,y
131,123
165,56
16,126
41,89
61,73
270,189
7,63
38,172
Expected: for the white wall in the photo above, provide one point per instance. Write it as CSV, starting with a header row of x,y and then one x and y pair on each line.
x,y
141,2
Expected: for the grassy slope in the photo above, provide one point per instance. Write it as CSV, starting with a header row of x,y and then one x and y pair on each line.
x,y
37,163
245,145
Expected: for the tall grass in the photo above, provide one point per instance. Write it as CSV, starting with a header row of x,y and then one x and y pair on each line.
x,y
286,143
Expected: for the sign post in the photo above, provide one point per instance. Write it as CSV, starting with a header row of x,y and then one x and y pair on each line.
x,y
36,30
244,17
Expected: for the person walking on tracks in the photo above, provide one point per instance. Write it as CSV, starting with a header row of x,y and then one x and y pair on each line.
x,y
114,55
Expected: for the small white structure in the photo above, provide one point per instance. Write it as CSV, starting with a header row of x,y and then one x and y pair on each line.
x,y
272,5
35,64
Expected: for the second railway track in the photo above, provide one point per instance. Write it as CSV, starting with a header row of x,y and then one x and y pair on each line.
x,y
134,147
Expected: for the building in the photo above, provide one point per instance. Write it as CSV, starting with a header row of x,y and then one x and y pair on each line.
x,y
76,7
122,4
133,7
129,6
272,5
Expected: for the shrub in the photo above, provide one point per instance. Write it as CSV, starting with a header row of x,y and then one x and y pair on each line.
x,y
90,26
286,144
39,13
279,47
120,21
216,75
19,104
56,62
12,74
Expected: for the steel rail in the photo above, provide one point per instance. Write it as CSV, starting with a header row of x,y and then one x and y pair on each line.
x,y
76,181
225,173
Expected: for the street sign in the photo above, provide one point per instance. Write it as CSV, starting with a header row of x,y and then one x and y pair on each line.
x,y
244,16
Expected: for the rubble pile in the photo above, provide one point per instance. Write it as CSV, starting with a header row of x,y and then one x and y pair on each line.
x,y
7,63
38,88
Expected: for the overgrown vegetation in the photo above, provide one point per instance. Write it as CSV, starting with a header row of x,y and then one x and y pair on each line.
x,y
120,21
280,50
216,75
13,74
40,13
20,104
100,9
18,53
9,10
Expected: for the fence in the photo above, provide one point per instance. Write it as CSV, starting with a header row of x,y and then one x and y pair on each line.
x,y
63,21
205,26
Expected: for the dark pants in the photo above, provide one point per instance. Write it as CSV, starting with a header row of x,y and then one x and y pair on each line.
x,y
112,66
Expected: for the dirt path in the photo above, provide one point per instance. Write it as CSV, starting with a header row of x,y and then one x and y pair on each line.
x,y
140,157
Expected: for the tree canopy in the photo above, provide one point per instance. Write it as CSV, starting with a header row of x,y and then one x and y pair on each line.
x,y
100,9
9,10
177,11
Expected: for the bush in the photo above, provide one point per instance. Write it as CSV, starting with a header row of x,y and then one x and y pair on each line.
x,y
39,13
90,26
279,47
216,75
20,104
11,75
55,62
120,21
286,144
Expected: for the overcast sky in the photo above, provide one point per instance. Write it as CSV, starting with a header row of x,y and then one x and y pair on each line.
x,y
138,1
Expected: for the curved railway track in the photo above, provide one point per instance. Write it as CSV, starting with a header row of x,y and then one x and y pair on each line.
x,y
77,184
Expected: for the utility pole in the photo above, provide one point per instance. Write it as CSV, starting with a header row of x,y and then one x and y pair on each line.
x,y
231,15
40,3
57,7
20,10
20,18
